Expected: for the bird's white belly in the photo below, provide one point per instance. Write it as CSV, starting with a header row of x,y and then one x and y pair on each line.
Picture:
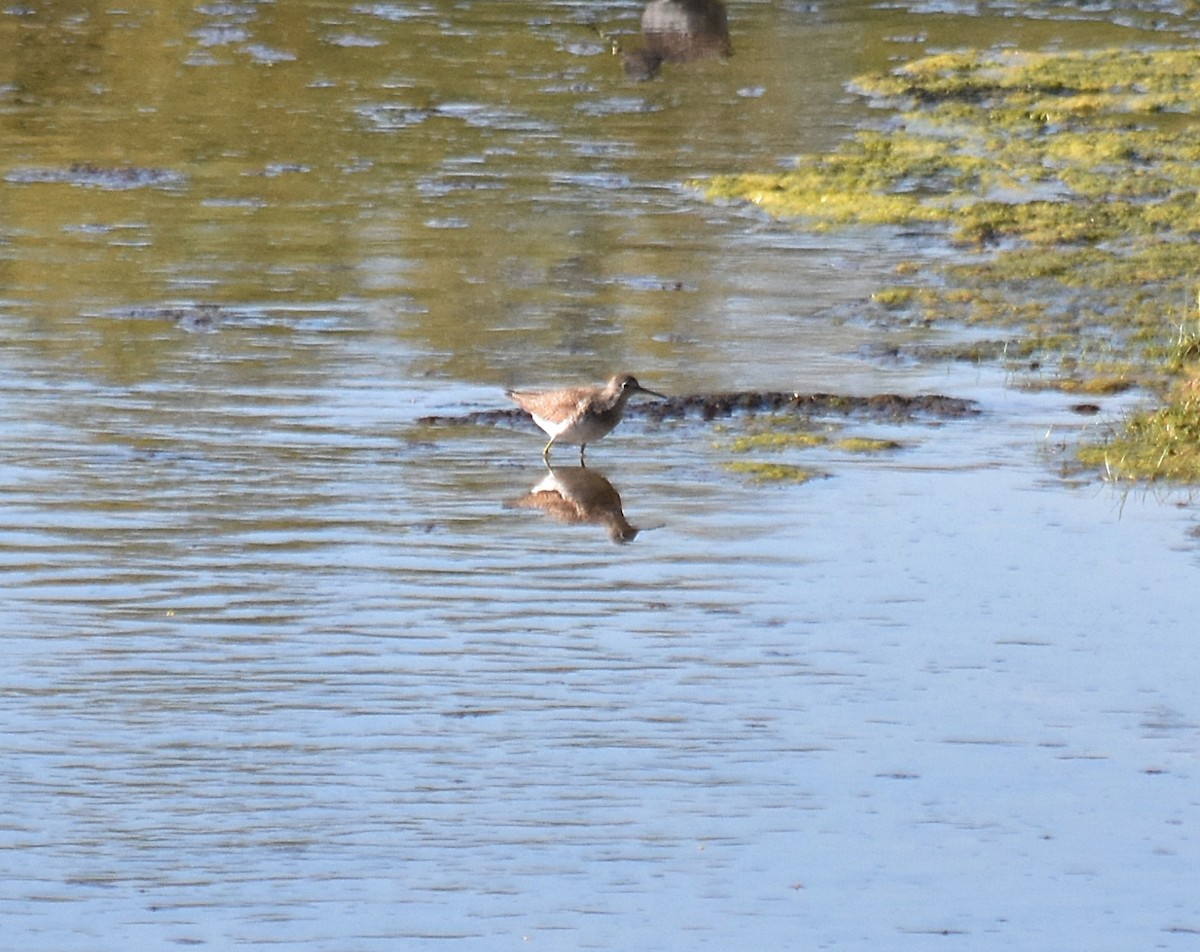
x,y
577,430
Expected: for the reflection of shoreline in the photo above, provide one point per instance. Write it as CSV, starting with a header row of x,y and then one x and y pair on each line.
x,y
576,495
678,31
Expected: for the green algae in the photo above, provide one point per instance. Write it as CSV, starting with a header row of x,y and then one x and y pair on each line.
x,y
895,298
1048,149
759,472
783,439
1100,386
778,441
1050,85
777,434
1070,183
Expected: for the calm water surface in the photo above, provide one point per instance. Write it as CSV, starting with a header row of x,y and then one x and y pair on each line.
x,y
286,668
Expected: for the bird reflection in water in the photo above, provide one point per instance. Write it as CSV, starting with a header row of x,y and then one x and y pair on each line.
x,y
576,495
678,31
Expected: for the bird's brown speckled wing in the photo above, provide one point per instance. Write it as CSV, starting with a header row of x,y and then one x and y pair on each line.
x,y
554,405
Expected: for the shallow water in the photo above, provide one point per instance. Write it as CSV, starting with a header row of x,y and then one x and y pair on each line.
x,y
287,667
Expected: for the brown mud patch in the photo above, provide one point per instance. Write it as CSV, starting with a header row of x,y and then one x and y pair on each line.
x,y
889,407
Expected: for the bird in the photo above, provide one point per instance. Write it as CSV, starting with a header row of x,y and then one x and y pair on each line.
x,y
579,414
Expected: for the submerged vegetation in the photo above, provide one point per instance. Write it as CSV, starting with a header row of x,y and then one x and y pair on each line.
x,y
1071,183
780,434
759,472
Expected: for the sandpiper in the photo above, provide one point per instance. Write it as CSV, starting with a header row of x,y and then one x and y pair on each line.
x,y
580,414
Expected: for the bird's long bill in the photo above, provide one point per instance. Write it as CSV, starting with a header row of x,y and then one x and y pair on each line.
x,y
653,393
